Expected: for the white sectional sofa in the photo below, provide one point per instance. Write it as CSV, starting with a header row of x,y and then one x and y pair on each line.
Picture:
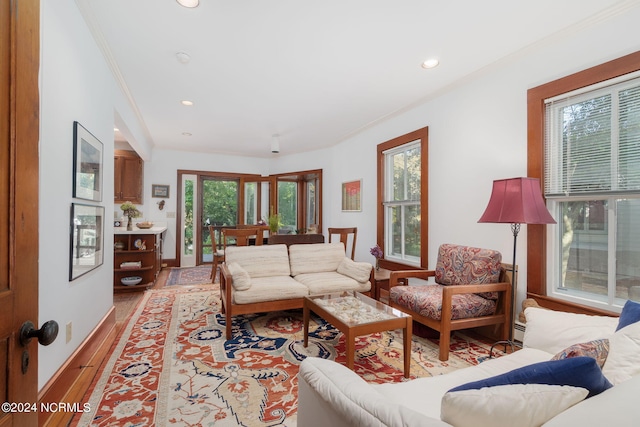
x,y
331,394
265,278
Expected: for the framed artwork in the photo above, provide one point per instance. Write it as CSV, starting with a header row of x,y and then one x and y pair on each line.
x,y
86,239
87,164
352,196
160,191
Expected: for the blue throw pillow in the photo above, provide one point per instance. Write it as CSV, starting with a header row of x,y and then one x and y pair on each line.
x,y
630,314
576,371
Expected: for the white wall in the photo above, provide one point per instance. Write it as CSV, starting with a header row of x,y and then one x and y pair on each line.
x,y
75,85
477,133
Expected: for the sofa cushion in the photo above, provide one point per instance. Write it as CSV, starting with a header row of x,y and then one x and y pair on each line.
x,y
598,349
359,271
260,261
465,265
577,372
241,279
630,314
553,331
414,394
270,289
427,301
331,281
616,407
315,258
623,361
527,405
348,399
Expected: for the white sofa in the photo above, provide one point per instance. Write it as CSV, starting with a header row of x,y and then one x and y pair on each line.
x,y
264,278
331,394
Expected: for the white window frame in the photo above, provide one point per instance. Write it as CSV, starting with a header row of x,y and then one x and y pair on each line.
x,y
390,204
554,202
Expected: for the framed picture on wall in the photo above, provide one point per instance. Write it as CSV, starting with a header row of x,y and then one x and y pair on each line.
x,y
352,196
86,241
87,164
160,191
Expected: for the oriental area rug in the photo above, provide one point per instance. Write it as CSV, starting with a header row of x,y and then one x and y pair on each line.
x,y
189,275
172,365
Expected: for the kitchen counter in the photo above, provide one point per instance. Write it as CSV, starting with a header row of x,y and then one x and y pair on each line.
x,y
153,230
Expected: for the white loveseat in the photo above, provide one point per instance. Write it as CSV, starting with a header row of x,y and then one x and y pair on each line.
x,y
331,394
257,279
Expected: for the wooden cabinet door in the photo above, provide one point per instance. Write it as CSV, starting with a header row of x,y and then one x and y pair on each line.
x,y
128,170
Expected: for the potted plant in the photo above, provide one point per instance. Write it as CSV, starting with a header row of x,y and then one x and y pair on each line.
x,y
130,210
275,222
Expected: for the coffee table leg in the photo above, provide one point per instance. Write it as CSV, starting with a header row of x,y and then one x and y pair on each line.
x,y
305,317
407,336
351,349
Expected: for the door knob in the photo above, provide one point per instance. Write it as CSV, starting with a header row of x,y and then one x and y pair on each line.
x,y
46,334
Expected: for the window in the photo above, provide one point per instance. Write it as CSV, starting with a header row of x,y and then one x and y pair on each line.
x,y
584,141
402,203
288,205
402,214
592,181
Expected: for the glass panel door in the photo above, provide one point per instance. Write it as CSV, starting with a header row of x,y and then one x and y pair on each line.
x,y
219,201
189,207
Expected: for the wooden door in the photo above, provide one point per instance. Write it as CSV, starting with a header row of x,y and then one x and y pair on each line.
x,y
19,121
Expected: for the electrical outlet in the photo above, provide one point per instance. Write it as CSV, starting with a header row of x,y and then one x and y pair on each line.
x,y
171,214
69,328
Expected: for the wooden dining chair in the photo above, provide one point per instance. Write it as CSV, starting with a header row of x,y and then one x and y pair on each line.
x,y
264,229
241,236
344,234
218,251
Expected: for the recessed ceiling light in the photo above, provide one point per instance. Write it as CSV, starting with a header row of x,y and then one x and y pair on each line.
x,y
430,63
187,103
186,133
183,58
188,3
116,129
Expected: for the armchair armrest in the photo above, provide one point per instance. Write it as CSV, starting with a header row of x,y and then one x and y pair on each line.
x,y
449,291
398,278
476,289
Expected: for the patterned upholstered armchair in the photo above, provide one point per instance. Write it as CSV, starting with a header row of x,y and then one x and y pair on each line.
x,y
471,289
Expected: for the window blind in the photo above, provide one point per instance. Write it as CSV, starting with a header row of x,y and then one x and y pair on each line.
x,y
592,142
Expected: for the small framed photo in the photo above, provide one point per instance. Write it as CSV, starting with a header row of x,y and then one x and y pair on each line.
x,y
86,241
352,196
160,191
87,164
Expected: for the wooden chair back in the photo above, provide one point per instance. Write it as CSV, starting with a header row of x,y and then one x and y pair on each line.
x,y
344,234
241,236
218,253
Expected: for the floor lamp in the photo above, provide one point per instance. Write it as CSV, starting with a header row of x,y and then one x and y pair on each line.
x,y
516,201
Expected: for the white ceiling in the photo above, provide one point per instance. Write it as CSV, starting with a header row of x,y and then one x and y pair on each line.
x,y
313,72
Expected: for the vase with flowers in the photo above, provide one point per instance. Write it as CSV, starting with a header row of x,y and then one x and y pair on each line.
x,y
376,251
130,210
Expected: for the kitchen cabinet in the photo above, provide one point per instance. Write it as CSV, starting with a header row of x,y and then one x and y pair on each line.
x,y
128,173
137,253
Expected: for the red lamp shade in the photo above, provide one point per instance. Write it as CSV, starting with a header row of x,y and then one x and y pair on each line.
x,y
517,201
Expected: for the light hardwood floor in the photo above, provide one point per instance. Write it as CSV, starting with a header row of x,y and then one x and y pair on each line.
x,y
125,303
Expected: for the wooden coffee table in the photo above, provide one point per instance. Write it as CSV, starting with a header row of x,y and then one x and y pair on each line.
x,y
354,315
